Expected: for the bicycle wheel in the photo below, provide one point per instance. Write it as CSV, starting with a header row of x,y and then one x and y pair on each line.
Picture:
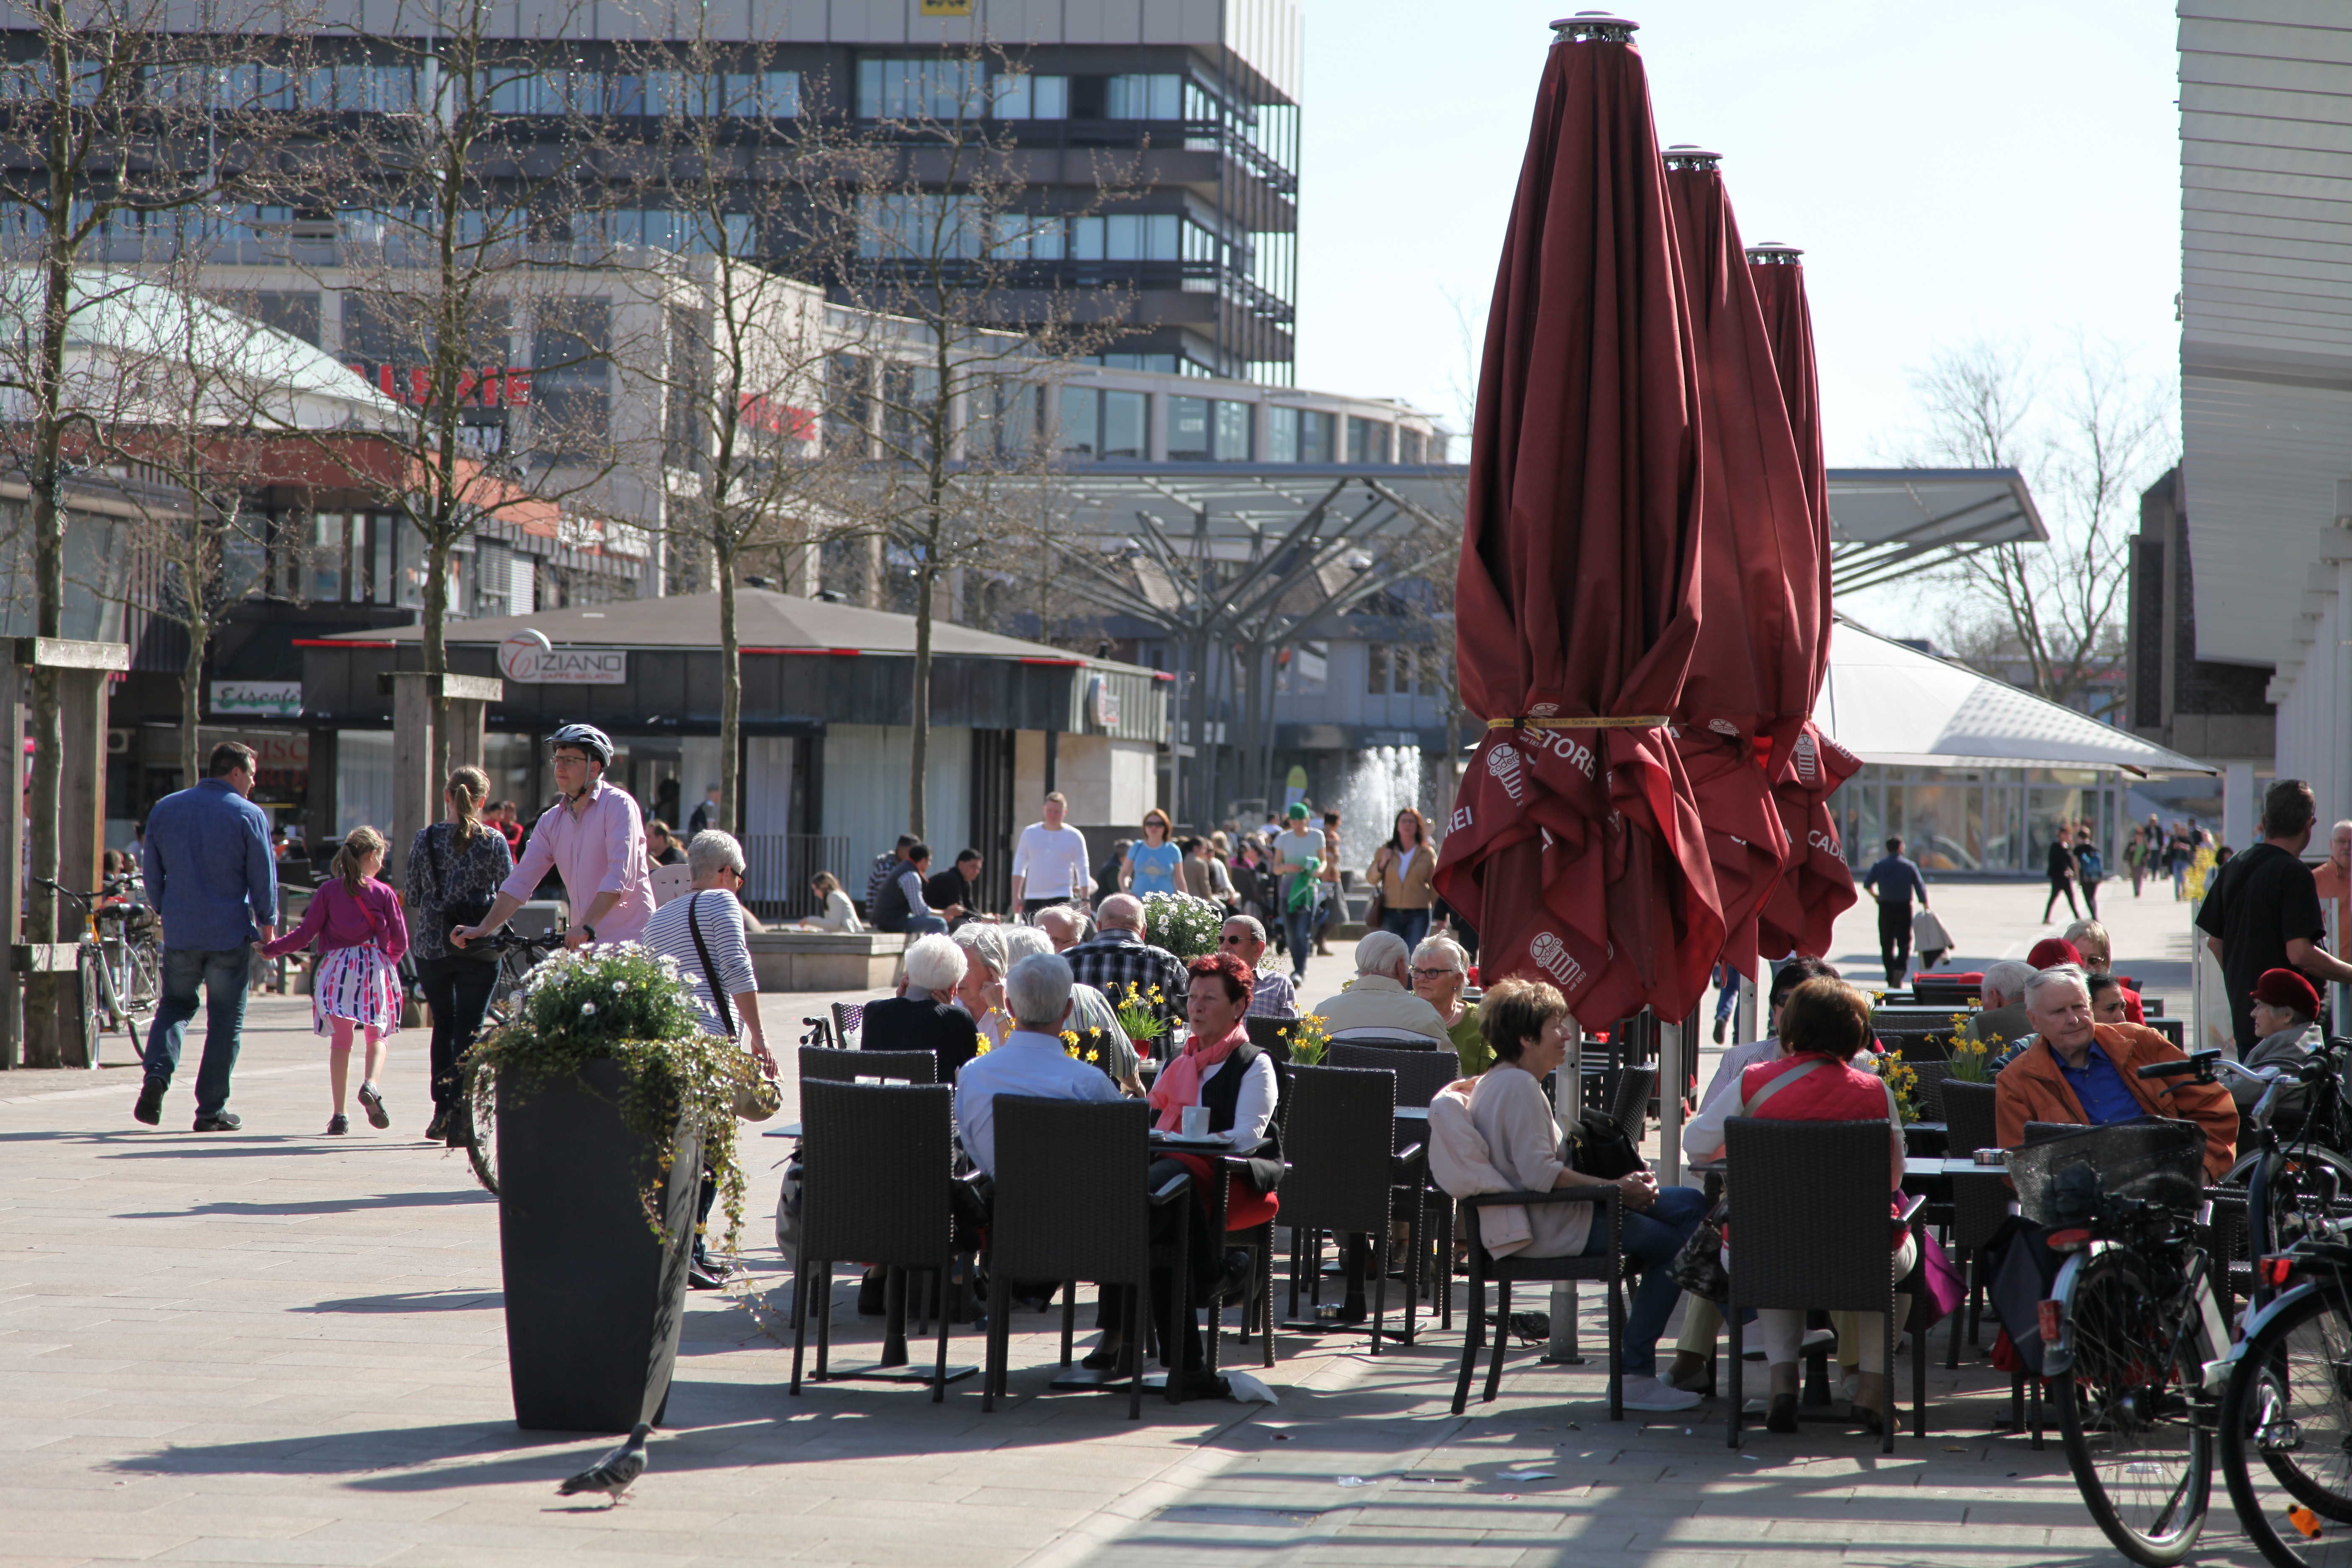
x,y
93,984
144,972
2130,1409
2308,1188
2289,1403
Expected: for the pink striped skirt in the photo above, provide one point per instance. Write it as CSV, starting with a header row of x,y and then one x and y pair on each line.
x,y
359,984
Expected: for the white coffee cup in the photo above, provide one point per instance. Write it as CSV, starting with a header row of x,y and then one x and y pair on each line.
x,y
1196,1121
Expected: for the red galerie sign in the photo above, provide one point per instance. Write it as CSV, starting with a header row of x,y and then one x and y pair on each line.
x,y
506,387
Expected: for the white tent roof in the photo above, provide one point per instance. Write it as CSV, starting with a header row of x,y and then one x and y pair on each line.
x,y
1888,703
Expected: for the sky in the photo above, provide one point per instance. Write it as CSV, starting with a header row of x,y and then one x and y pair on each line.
x,y
2004,171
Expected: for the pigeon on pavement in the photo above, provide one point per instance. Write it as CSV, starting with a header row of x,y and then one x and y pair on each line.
x,y
613,1474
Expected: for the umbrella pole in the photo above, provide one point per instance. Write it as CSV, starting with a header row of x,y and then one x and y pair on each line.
x,y
1568,1103
1671,1074
1746,1019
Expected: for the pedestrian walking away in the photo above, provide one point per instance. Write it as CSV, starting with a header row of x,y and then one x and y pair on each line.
x,y
1895,879
1298,856
360,934
455,871
2090,869
211,876
2061,868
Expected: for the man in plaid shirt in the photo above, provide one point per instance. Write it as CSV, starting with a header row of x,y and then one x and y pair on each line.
x,y
1119,957
1244,938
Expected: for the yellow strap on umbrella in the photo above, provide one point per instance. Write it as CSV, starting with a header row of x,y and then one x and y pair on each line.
x,y
1640,721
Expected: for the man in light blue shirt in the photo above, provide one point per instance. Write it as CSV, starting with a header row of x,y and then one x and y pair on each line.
x,y
1030,1062
212,878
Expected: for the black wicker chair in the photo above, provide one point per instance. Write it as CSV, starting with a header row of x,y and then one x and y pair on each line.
x,y
844,1067
848,1017
1396,1042
1608,1266
1345,1177
878,1160
1270,1035
1933,1077
1979,1204
1420,1074
1071,1203
1627,1092
1808,1227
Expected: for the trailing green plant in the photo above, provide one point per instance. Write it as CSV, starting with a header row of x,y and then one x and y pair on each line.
x,y
1184,925
630,1004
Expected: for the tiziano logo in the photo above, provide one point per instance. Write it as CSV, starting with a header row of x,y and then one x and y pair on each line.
x,y
1809,760
1503,761
1551,956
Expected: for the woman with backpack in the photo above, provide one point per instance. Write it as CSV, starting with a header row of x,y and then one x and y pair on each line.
x,y
453,872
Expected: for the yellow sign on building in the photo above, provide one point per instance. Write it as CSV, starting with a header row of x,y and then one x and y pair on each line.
x,y
946,7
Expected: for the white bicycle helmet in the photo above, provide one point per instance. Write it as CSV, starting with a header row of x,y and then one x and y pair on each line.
x,y
588,738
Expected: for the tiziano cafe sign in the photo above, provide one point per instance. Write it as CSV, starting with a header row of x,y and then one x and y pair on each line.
x,y
528,657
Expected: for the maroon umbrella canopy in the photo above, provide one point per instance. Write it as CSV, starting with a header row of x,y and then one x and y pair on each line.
x,y
1816,884
1751,682
1575,847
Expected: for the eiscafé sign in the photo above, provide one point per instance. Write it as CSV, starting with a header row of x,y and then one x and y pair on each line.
x,y
528,657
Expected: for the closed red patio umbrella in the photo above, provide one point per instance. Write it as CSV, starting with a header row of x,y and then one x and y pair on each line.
x,y
1816,884
1574,847
1752,676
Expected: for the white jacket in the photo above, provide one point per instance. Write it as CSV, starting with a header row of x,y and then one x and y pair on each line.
x,y
1458,1159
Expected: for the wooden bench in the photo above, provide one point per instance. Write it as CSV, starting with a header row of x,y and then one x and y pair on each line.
x,y
827,961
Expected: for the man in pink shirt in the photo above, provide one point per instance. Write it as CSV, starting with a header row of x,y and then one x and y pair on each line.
x,y
594,839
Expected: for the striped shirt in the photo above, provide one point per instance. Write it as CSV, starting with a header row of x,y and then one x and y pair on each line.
x,y
721,919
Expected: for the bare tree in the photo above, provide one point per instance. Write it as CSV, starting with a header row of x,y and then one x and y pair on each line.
x,y
735,345
111,123
2087,435
456,233
943,241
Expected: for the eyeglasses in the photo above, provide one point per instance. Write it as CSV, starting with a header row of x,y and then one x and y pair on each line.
x,y
1233,941
1434,973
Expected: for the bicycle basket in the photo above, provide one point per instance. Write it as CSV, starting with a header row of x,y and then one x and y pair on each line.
x,y
2162,1163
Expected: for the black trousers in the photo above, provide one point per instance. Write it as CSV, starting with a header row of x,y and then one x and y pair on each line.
x,y
2061,885
1206,1256
458,992
1895,938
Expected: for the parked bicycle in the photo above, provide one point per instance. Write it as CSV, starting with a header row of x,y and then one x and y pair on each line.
x,y
517,956
119,960
2286,1411
2132,1325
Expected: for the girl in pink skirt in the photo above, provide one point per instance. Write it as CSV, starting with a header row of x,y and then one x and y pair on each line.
x,y
361,932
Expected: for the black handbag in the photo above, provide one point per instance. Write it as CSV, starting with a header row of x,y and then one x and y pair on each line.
x,y
1699,1267
1599,1147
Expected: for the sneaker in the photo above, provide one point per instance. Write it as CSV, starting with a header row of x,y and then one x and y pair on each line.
x,y
150,1108
1648,1394
371,1102
338,1124
1719,1025
219,1122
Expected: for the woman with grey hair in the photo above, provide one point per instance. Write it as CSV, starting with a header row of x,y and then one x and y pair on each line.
x,y
925,1016
980,993
703,932
1441,974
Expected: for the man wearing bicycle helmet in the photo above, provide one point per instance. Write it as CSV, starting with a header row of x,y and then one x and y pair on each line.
x,y
593,838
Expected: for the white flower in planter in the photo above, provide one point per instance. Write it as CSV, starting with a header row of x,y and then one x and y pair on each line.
x,y
587,1009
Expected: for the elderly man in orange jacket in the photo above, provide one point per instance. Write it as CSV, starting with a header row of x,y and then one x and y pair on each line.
x,y
2088,1073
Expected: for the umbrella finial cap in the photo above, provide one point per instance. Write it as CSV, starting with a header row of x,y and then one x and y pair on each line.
x,y
1697,160
1594,27
1772,253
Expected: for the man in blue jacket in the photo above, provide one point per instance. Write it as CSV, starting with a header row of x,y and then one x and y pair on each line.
x,y
211,876
1894,879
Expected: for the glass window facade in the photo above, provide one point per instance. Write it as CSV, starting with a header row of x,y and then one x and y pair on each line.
x,y
1997,821
1281,435
1314,437
1188,429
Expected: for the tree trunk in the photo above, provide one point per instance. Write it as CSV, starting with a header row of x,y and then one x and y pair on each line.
x,y
730,691
436,657
924,575
191,686
43,995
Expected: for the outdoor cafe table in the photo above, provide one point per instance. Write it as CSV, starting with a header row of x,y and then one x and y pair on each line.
x,y
1916,1167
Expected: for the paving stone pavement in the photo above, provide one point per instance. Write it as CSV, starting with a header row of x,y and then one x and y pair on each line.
x,y
273,1347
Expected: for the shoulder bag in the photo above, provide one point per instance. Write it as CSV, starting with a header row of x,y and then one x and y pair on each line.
x,y
757,1096
1380,904
470,911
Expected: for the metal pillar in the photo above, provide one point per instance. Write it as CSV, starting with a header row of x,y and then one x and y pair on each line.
x,y
1568,1103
